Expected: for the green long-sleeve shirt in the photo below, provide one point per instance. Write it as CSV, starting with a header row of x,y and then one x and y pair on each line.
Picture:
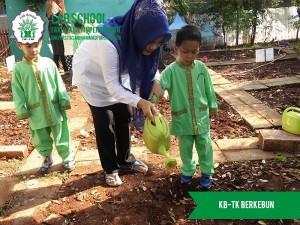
x,y
192,97
39,93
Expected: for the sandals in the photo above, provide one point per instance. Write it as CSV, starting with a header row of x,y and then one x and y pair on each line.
x,y
113,179
137,166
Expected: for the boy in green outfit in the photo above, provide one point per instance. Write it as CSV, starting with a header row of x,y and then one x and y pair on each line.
x,y
192,98
40,95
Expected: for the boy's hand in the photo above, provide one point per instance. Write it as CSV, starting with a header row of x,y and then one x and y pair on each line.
x,y
156,90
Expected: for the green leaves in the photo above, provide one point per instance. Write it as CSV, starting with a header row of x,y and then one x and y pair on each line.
x,y
36,5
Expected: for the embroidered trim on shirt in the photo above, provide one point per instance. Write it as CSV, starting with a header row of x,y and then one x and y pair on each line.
x,y
41,88
54,102
177,113
64,107
23,116
213,110
188,71
204,107
34,106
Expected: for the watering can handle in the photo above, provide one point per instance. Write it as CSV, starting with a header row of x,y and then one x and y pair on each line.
x,y
291,108
155,120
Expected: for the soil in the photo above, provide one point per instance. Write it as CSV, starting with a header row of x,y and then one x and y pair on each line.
x,y
259,71
158,197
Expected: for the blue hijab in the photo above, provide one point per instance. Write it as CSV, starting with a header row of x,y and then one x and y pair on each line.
x,y
143,23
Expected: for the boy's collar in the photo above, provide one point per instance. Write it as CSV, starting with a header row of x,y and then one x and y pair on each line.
x,y
35,60
184,66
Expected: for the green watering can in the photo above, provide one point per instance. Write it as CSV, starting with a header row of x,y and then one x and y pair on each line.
x,y
291,120
157,139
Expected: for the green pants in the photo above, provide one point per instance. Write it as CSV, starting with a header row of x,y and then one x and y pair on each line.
x,y
204,150
43,142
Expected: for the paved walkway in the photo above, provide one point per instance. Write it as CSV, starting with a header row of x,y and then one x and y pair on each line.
x,y
257,115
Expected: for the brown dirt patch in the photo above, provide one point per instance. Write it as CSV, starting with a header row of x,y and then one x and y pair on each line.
x,y
159,198
279,98
259,71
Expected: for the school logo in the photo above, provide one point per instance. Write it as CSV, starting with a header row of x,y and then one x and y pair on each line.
x,y
28,27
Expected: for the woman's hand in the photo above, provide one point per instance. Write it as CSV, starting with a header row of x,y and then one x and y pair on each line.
x,y
148,108
156,90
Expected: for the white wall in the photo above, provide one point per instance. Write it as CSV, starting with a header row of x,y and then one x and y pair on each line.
x,y
276,27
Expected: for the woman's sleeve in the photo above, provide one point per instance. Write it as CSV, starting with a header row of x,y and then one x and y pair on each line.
x,y
156,76
109,61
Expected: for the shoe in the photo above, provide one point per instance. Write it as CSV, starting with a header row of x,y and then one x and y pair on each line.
x,y
70,165
48,161
113,179
137,166
185,179
69,78
205,181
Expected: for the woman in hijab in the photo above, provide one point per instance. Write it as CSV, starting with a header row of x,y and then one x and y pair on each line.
x,y
119,73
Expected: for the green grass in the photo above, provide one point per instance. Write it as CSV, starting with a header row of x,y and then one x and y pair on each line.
x,y
297,47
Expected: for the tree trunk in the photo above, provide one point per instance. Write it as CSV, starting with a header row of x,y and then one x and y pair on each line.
x,y
253,34
224,35
237,31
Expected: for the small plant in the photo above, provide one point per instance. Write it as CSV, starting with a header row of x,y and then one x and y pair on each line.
x,y
297,48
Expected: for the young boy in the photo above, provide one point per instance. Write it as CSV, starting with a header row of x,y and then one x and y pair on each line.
x,y
40,95
192,98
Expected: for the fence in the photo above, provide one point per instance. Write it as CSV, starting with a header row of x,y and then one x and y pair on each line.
x,y
4,45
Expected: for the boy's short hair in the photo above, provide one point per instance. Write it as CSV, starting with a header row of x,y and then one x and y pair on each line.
x,y
188,32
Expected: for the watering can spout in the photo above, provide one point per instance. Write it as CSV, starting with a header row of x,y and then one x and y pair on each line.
x,y
170,162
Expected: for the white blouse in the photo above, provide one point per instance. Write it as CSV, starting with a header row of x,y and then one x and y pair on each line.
x,y
96,74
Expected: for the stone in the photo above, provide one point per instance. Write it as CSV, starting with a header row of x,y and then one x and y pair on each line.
x,y
13,151
238,144
230,87
229,97
7,106
269,114
6,188
215,146
248,154
278,140
246,97
252,85
254,119
35,160
54,219
218,79
77,123
219,157
280,81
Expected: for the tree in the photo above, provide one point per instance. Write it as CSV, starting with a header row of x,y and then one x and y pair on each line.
x,y
226,15
296,18
179,6
257,10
